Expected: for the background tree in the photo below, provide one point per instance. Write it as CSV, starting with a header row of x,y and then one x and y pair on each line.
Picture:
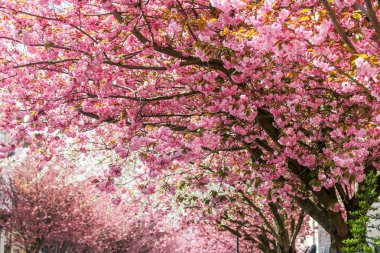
x,y
263,223
40,209
52,205
43,210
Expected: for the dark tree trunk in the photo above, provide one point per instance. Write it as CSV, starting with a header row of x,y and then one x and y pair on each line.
x,y
332,222
286,249
336,244
37,246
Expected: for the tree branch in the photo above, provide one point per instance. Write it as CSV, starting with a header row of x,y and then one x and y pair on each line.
x,y
95,116
189,60
297,228
44,62
266,121
341,71
337,26
137,67
143,99
262,216
372,17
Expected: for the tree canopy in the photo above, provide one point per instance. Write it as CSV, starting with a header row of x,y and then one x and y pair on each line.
x,y
280,96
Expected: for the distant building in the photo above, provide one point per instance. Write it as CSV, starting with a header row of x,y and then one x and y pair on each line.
x,y
319,237
5,246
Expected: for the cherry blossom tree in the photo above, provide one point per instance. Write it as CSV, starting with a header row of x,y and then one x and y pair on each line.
x,y
288,90
205,238
6,150
46,206
39,210
263,223
269,227
42,211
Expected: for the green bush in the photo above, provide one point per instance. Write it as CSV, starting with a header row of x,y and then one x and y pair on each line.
x,y
359,219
